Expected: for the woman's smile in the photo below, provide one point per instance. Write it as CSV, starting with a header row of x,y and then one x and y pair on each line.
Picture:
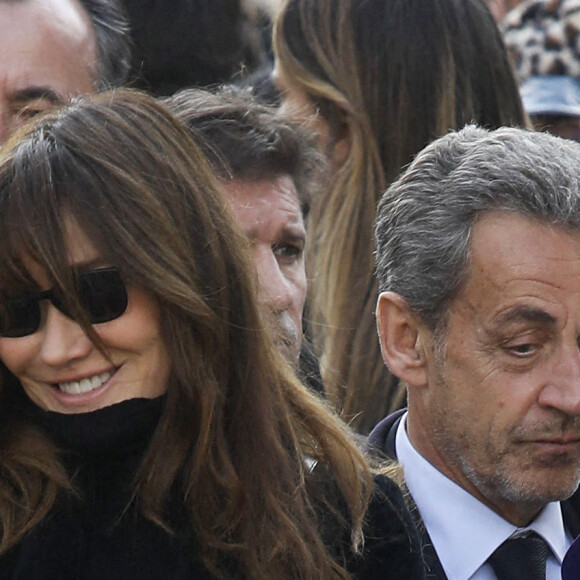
x,y
86,385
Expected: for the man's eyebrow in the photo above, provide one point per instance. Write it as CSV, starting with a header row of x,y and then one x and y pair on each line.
x,y
293,235
287,235
525,314
33,93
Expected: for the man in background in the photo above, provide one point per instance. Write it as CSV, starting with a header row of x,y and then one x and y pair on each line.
x,y
268,171
53,50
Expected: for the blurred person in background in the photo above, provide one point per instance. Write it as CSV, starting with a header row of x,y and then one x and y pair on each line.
x,y
399,74
53,50
185,43
543,39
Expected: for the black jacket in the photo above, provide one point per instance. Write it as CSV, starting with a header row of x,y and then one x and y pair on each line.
x,y
90,537
84,537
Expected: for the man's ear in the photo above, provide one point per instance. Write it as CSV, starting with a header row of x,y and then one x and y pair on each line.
x,y
401,334
340,138
342,146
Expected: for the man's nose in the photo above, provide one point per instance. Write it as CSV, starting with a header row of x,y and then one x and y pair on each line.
x,y
273,287
562,390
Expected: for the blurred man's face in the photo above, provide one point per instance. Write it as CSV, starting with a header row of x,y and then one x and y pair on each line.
x,y
270,215
48,54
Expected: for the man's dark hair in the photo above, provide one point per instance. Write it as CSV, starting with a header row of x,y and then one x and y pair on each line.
x,y
111,28
246,140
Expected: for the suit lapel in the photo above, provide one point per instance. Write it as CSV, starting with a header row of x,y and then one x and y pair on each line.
x,y
571,514
433,568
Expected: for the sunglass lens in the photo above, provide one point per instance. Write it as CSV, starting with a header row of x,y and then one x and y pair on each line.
x,y
102,294
19,317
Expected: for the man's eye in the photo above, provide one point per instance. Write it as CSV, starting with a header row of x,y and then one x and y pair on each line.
x,y
522,349
22,114
27,113
288,251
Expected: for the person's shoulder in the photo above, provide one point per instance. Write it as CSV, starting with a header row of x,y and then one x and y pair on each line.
x,y
392,547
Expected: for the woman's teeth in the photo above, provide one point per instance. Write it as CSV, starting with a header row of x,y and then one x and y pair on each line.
x,y
85,385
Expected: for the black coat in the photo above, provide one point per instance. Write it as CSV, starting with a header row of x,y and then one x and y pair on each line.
x,y
91,538
392,543
83,538
382,439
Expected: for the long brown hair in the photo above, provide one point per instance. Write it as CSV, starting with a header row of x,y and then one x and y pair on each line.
x,y
393,74
238,430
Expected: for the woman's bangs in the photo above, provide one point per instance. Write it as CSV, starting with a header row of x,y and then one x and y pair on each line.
x,y
31,226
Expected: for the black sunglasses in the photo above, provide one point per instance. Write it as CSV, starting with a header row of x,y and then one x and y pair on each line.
x,y
102,295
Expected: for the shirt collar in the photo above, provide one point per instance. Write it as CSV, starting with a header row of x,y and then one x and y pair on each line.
x,y
451,514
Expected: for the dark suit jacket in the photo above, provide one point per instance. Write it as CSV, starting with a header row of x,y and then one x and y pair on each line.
x,y
382,439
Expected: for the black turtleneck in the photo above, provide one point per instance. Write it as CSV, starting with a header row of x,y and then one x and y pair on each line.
x,y
120,429
100,534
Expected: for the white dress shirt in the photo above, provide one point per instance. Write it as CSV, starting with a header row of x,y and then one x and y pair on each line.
x,y
464,531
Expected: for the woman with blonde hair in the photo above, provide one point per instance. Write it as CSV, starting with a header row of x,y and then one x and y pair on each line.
x,y
149,428
378,80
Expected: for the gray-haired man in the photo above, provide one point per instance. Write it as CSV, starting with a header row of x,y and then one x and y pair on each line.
x,y
478,261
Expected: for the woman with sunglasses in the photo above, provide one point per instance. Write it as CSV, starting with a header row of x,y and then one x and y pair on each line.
x,y
148,426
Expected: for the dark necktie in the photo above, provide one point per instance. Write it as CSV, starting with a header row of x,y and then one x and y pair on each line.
x,y
522,557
